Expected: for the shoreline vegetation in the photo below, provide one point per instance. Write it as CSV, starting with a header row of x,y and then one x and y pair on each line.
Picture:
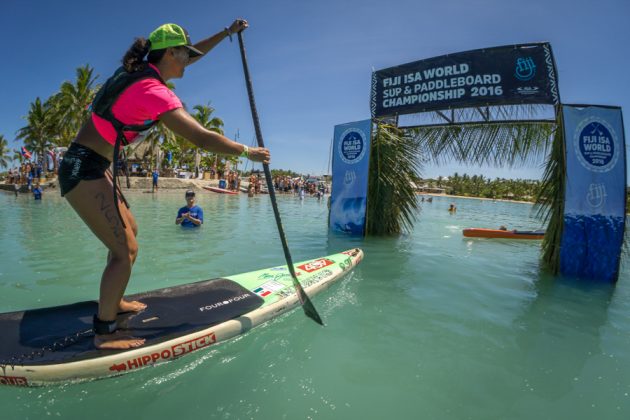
x,y
478,186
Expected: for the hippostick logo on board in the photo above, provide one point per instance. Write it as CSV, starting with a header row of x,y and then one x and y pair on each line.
x,y
175,351
596,145
13,380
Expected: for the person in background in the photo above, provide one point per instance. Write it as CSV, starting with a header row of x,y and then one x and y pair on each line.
x,y
29,180
155,174
22,173
252,183
37,192
28,177
190,215
452,208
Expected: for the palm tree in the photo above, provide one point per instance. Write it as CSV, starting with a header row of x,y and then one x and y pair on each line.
x,y
17,156
456,184
550,202
203,114
4,152
37,133
69,108
168,145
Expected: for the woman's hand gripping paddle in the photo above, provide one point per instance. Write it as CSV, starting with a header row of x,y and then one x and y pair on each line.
x,y
307,305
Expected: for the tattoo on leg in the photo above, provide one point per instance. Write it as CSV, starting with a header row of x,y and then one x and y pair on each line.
x,y
112,218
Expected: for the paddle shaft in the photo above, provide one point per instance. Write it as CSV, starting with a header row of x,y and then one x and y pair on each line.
x,y
307,305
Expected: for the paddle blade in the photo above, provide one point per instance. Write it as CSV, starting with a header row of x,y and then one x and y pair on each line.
x,y
305,301
309,309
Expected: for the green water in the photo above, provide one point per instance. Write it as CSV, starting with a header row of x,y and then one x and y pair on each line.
x,y
429,326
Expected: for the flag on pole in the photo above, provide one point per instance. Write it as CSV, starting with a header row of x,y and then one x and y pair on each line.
x,y
25,153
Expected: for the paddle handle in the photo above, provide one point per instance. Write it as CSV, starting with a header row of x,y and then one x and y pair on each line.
x,y
307,305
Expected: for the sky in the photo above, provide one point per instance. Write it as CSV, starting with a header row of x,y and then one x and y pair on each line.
x,y
310,61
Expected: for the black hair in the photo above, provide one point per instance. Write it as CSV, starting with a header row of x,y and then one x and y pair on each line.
x,y
155,56
134,57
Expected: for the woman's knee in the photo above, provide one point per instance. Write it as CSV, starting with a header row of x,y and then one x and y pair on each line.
x,y
127,253
133,252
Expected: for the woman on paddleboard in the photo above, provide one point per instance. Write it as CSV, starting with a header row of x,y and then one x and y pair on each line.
x,y
132,101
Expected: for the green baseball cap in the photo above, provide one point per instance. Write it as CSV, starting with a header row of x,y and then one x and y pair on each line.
x,y
172,35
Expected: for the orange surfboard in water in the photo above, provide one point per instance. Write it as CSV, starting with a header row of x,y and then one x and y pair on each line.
x,y
503,234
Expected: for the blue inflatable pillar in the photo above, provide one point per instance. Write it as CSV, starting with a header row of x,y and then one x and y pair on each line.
x,y
595,192
350,170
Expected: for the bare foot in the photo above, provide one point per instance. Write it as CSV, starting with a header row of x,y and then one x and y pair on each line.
x,y
117,340
133,306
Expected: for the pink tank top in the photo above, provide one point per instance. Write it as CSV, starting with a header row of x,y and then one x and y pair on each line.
x,y
141,103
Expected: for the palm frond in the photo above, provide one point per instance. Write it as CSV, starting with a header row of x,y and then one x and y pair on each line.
x,y
4,152
394,164
493,144
490,136
550,201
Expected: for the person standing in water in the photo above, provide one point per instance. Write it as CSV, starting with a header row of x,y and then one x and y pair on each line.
x,y
133,100
37,192
155,175
190,215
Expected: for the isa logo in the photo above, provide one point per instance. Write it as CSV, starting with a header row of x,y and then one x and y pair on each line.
x,y
349,178
596,196
596,145
352,146
525,69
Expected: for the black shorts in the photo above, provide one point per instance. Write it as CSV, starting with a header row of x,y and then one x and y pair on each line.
x,y
80,163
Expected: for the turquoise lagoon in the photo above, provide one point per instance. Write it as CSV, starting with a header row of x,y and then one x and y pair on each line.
x,y
431,325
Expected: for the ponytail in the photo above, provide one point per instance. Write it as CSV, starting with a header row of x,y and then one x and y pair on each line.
x,y
134,57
